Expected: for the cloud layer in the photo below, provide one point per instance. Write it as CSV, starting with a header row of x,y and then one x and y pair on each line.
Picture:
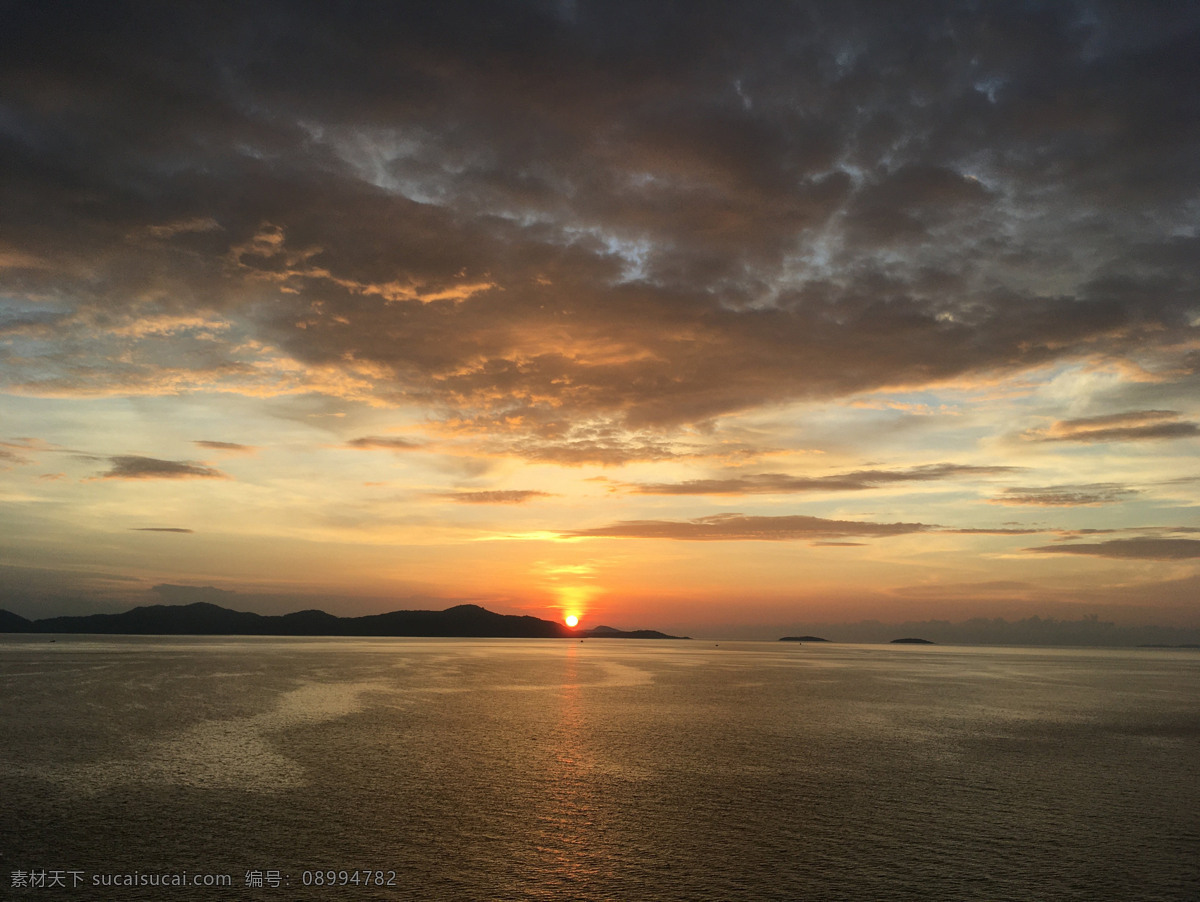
x,y
554,214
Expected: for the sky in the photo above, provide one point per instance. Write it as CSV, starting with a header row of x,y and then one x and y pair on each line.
x,y
705,317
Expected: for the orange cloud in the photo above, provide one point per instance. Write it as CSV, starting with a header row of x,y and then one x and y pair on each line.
x,y
742,527
506,496
1134,425
1140,548
782,483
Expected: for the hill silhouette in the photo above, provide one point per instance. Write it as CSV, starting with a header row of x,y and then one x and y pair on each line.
x,y
206,619
13,623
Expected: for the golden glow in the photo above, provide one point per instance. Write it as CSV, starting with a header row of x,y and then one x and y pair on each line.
x,y
572,620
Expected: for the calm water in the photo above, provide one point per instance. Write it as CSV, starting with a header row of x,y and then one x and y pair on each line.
x,y
610,769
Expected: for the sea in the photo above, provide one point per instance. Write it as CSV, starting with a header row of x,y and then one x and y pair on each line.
x,y
168,768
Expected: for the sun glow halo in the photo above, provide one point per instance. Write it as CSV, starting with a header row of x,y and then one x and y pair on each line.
x,y
571,620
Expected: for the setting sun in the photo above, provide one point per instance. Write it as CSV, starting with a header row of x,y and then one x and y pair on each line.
x,y
571,620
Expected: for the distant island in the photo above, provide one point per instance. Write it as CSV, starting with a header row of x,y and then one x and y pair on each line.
x,y
465,621
911,641
803,639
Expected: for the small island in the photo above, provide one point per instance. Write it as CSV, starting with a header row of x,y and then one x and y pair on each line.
x,y
803,639
610,632
912,641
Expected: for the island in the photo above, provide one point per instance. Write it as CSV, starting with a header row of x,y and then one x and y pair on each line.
x,y
609,632
466,621
803,639
911,641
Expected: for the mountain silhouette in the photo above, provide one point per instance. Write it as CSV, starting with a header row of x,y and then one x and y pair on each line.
x,y
205,619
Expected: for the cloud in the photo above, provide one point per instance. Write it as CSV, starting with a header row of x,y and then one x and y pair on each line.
x,y
614,450
134,467
1134,425
16,452
231,447
504,496
781,483
384,443
736,526
907,203
1140,548
729,527
988,531
11,456
162,529
196,224
410,211
1089,495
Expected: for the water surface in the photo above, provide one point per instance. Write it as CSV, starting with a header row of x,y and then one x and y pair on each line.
x,y
608,769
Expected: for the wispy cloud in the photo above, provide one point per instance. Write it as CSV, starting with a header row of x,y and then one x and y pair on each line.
x,y
162,529
1140,548
782,483
1130,426
1089,495
16,452
183,226
229,447
735,526
503,496
12,456
384,443
730,527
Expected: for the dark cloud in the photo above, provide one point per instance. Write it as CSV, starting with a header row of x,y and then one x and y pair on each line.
x,y
905,204
1134,425
503,496
782,483
384,443
726,527
1140,548
133,467
1067,495
609,212
162,529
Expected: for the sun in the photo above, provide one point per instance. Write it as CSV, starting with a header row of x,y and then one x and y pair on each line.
x,y
571,620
